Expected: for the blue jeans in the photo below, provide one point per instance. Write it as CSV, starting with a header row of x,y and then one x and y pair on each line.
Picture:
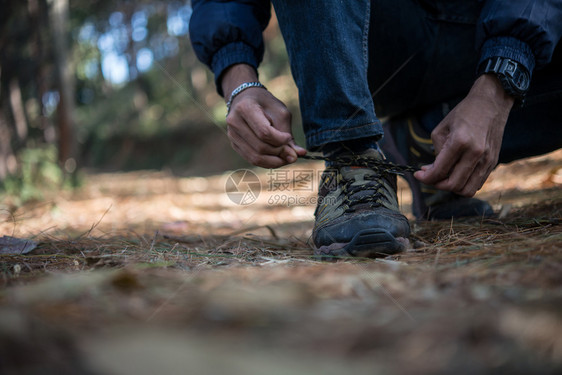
x,y
400,57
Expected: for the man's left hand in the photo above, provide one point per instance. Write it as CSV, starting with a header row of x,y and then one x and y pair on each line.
x,y
469,138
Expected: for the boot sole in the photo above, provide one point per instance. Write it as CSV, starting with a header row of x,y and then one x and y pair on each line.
x,y
368,243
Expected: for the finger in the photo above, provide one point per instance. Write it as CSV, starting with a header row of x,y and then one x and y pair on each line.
x,y
281,120
299,150
283,117
289,154
439,136
471,162
460,174
476,181
471,167
263,129
441,168
244,136
264,161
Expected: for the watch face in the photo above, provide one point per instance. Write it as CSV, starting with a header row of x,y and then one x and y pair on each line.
x,y
513,76
516,75
521,81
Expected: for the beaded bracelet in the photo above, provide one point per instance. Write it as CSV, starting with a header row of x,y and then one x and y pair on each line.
x,y
239,89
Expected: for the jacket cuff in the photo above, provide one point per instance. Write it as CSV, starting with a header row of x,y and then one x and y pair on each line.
x,y
232,53
511,48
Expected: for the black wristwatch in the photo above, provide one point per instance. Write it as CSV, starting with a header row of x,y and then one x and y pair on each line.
x,y
514,77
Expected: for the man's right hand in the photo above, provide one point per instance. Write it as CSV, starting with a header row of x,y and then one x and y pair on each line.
x,y
259,125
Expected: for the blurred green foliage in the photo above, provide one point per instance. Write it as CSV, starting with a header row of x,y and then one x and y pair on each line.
x,y
142,99
39,174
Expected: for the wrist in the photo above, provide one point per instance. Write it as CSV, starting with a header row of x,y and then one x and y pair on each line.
x,y
236,75
512,75
489,87
239,89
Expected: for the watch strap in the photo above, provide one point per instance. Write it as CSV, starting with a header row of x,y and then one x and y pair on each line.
x,y
513,76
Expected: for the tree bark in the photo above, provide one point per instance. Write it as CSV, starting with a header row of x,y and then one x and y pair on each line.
x,y
38,20
8,162
18,110
65,81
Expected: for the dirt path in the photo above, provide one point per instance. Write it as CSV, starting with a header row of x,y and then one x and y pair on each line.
x,y
145,273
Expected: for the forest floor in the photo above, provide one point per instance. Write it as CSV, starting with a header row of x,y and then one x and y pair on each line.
x,y
147,273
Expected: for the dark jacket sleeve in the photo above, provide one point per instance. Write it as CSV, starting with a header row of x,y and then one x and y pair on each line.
x,y
224,33
526,31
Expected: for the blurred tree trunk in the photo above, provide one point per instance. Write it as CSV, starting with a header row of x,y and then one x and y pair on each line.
x,y
37,14
18,110
7,158
6,152
65,81
8,164
128,11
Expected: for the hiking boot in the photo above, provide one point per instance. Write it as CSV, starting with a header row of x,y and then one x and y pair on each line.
x,y
357,212
406,142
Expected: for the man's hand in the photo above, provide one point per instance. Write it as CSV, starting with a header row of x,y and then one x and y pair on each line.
x,y
468,140
259,125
